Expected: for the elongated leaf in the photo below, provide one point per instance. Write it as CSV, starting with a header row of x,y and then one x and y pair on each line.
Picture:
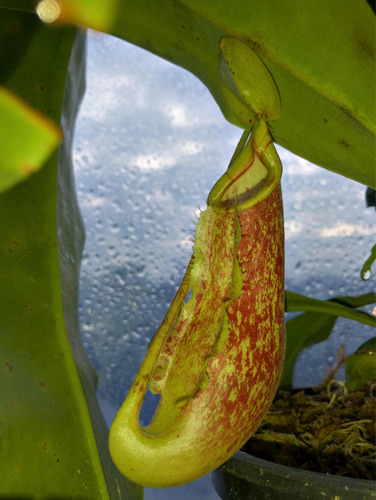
x,y
358,301
297,302
53,442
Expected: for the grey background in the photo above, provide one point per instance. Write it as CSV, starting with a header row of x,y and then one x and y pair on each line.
x,y
150,142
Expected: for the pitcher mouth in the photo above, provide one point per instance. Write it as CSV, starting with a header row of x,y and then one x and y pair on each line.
x,y
252,175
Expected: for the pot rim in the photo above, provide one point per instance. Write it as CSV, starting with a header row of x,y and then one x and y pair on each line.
x,y
248,462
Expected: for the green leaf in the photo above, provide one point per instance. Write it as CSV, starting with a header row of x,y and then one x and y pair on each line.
x,y
27,139
303,331
319,54
53,436
324,70
363,300
340,306
316,324
367,346
361,366
366,271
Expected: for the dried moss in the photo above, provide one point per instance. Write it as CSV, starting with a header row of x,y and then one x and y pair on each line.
x,y
331,431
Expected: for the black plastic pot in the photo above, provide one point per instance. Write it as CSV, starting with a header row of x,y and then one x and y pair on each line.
x,y
245,477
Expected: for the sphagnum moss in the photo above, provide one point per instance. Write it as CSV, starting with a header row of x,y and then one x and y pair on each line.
x,y
330,431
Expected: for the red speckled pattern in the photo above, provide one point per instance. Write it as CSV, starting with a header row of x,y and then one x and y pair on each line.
x,y
218,368
244,376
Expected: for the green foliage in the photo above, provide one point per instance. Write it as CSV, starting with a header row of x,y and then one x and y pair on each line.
x,y
338,306
316,323
320,57
53,436
361,366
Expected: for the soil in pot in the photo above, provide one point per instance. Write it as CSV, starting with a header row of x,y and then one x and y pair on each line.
x,y
330,430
